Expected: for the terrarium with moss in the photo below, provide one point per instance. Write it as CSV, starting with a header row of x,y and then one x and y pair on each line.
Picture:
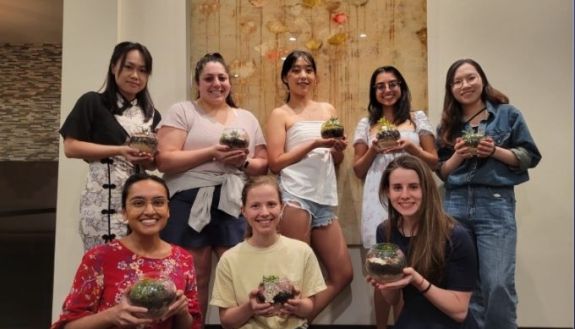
x,y
385,262
144,140
155,294
387,134
332,128
235,138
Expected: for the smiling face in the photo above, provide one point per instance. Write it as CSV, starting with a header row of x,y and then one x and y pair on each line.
x,y
146,208
300,78
131,77
262,209
404,192
467,85
387,89
214,83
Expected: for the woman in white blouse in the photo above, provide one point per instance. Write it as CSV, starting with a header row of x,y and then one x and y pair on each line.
x,y
389,98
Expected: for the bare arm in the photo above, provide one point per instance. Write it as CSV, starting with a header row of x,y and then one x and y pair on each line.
x,y
427,151
258,165
454,304
235,317
276,138
88,151
121,315
171,157
363,157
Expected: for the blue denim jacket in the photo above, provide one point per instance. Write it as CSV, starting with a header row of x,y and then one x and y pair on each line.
x,y
508,128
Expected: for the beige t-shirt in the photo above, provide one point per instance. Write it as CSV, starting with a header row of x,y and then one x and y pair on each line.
x,y
203,131
241,268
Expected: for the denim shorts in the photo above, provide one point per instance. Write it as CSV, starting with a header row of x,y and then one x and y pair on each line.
x,y
223,230
321,215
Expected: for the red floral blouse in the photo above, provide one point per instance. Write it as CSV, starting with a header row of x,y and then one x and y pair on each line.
x,y
107,271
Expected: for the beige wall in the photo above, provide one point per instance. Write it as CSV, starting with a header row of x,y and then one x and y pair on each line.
x,y
525,47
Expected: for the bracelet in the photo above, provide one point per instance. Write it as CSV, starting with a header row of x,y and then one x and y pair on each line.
x,y
492,152
426,289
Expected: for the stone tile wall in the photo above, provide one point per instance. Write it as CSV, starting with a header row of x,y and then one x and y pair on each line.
x,y
30,81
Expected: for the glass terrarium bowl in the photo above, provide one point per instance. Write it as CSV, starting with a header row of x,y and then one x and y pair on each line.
x,y
144,141
275,290
385,262
154,293
235,138
472,140
332,128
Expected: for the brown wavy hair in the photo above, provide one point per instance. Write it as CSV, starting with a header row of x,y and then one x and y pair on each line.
x,y
426,252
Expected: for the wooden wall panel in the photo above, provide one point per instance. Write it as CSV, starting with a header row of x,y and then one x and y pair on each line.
x,y
254,35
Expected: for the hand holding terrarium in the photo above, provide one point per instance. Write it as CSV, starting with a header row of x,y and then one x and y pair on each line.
x,y
154,293
472,138
385,262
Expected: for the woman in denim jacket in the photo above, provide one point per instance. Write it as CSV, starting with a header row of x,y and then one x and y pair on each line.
x,y
480,179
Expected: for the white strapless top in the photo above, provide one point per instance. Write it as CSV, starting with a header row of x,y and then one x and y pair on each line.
x,y
313,177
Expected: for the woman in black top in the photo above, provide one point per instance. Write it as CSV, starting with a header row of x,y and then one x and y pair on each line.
x,y
97,130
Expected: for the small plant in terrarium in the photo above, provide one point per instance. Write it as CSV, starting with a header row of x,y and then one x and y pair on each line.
x,y
385,262
387,134
144,140
155,294
472,138
275,290
235,138
332,128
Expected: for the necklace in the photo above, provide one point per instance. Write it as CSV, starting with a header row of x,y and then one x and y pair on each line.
x,y
474,116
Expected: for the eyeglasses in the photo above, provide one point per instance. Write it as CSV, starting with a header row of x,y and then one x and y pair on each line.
x,y
470,79
142,203
381,86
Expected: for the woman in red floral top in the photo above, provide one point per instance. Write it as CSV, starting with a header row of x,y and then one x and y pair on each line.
x,y
97,298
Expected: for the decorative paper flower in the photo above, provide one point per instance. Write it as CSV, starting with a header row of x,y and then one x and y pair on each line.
x,y
339,18
313,44
337,39
311,3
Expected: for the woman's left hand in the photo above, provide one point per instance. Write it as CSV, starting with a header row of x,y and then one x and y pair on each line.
x,y
339,144
298,306
178,306
410,276
402,145
486,147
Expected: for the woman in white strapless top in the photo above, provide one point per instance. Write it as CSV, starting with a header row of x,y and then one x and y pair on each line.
x,y
305,163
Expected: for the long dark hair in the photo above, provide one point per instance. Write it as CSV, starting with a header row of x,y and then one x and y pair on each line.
x,y
426,250
111,89
138,177
201,64
289,62
452,117
403,105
